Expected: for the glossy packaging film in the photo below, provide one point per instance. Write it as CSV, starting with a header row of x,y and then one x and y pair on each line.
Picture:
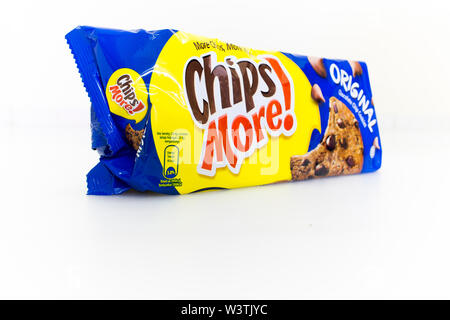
x,y
176,113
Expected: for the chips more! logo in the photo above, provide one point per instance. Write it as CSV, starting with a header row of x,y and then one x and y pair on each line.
x,y
238,103
123,94
127,94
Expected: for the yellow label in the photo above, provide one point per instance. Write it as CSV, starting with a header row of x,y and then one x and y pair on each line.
x,y
227,116
127,94
171,161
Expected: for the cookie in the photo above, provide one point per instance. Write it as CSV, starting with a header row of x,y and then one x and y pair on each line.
x,y
340,152
134,137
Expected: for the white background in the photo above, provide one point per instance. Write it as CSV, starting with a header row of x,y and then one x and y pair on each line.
x,y
379,235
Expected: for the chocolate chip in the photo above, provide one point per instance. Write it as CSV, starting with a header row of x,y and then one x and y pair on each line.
x,y
350,161
356,68
318,66
356,124
376,143
343,143
372,152
335,107
331,142
316,94
340,123
305,163
321,170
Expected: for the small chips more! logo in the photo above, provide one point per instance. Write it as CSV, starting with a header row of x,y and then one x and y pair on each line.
x,y
127,94
123,94
238,103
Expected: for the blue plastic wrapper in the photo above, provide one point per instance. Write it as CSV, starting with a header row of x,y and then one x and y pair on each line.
x,y
176,113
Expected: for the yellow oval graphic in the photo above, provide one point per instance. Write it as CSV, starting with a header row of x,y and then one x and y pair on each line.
x,y
127,94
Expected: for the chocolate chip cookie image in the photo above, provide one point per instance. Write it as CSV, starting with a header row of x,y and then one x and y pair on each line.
x,y
340,152
134,137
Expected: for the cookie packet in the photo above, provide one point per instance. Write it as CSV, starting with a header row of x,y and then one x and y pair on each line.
x,y
176,113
